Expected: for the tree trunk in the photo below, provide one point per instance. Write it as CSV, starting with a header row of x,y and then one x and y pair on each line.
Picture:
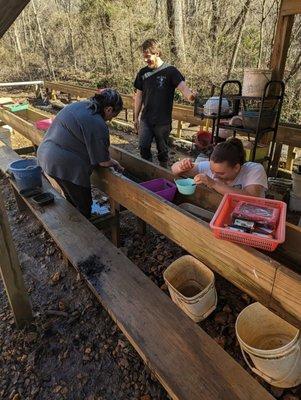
x,y
261,33
215,19
176,30
18,45
72,42
47,56
238,38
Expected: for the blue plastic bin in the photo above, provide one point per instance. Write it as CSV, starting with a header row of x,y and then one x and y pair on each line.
x,y
27,173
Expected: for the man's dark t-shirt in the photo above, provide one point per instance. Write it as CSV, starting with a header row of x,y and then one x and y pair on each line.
x,y
158,93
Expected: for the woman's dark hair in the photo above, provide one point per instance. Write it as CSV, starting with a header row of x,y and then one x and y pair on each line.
x,y
231,151
106,98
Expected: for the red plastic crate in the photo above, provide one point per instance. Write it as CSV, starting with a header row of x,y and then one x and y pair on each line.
x,y
223,217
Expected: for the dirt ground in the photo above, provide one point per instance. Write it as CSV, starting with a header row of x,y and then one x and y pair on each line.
x,y
73,350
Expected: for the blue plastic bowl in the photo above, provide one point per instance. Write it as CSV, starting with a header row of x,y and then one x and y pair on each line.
x,y
186,186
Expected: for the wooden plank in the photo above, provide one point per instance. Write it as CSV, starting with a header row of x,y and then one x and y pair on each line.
x,y
25,128
290,249
11,272
251,271
291,7
287,285
188,363
281,43
9,12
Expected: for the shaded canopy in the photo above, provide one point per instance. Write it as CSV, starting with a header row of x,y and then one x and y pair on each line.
x,y
10,9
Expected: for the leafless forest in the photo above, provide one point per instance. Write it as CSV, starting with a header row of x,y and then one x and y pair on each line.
x,y
97,41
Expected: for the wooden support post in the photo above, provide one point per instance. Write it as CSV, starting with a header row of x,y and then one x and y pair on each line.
x,y
20,202
115,229
290,158
11,273
276,159
141,226
179,129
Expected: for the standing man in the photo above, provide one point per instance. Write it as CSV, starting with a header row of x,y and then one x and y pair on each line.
x,y
155,86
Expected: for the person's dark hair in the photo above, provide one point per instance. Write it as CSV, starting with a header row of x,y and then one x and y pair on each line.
x,y
231,151
152,45
106,98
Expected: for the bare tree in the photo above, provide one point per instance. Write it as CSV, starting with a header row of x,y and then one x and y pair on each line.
x,y
242,18
176,28
47,56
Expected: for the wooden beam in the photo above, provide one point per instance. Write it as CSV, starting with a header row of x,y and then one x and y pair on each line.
x,y
188,363
246,268
291,7
11,272
9,12
281,42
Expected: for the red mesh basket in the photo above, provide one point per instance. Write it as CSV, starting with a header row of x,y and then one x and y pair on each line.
x,y
223,217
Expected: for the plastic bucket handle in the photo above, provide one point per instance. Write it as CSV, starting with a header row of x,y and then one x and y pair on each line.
x,y
262,374
184,305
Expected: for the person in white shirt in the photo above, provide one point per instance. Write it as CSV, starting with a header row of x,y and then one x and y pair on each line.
x,y
227,171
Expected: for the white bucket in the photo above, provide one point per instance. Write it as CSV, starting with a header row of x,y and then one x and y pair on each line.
x,y
296,184
295,202
255,81
272,344
191,287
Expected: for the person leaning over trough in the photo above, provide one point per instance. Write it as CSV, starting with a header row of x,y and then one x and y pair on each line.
x,y
77,141
227,171
155,86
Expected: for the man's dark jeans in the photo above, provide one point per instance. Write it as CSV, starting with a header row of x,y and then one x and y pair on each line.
x,y
148,132
79,196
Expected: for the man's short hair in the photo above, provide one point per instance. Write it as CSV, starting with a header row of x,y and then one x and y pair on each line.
x,y
151,45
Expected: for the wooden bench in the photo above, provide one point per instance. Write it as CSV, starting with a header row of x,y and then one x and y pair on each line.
x,y
188,363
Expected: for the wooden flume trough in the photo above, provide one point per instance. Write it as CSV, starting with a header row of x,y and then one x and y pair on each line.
x,y
271,283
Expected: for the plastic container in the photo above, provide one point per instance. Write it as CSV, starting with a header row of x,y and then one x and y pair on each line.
x,y
27,173
272,344
17,107
254,81
295,202
186,186
211,106
43,199
162,187
223,216
262,151
250,119
297,165
191,287
43,124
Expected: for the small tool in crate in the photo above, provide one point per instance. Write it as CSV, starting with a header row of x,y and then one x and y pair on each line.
x,y
252,221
